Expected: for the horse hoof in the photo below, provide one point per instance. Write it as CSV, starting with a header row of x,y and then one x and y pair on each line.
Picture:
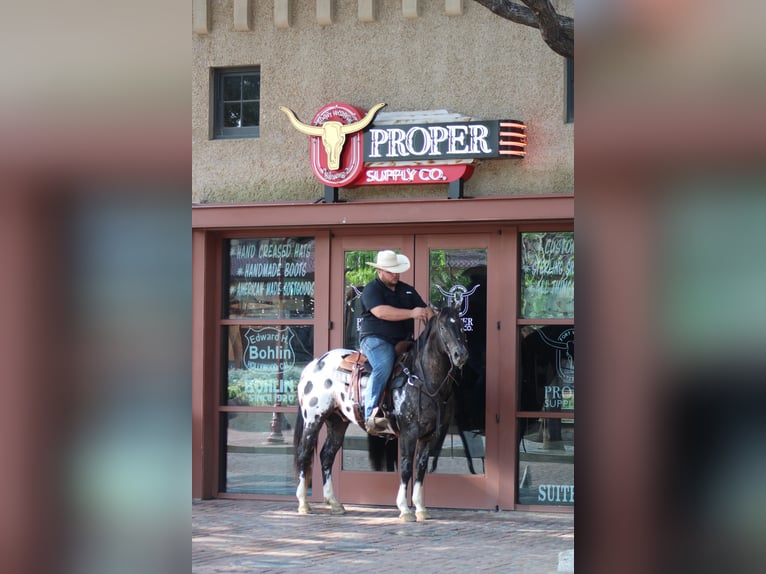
x,y
407,517
422,515
337,509
304,509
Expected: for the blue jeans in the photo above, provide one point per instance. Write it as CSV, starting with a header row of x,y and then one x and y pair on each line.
x,y
380,353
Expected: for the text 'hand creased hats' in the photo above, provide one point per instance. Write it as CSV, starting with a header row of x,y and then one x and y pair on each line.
x,y
392,262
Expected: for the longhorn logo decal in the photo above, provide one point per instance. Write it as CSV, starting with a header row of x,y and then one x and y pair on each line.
x,y
564,345
331,125
457,296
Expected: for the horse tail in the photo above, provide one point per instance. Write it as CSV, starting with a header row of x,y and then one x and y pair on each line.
x,y
382,452
436,450
297,435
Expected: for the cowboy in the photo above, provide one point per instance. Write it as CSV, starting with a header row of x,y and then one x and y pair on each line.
x,y
389,310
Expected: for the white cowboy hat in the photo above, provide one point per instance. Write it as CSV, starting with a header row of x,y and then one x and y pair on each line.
x,y
392,262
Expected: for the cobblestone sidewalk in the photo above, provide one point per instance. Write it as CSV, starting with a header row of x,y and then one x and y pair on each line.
x,y
253,536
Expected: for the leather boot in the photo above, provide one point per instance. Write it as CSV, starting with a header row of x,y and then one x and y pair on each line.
x,y
376,425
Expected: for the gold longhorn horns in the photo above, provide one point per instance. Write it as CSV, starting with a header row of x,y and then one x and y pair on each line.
x,y
333,133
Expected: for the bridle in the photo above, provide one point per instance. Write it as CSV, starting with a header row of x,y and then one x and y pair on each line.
x,y
426,386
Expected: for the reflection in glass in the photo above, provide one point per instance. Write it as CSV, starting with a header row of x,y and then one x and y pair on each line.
x,y
250,114
356,275
265,363
547,368
459,277
259,454
546,467
462,452
362,452
232,88
547,275
232,115
269,278
251,87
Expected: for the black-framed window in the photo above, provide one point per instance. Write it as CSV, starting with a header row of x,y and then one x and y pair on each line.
x,y
570,90
237,102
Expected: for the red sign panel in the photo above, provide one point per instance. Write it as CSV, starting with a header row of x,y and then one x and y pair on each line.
x,y
413,174
334,145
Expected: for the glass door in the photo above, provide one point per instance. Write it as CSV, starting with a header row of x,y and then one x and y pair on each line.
x,y
366,469
457,273
445,269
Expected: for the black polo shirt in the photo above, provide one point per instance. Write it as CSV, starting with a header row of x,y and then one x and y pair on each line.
x,y
403,296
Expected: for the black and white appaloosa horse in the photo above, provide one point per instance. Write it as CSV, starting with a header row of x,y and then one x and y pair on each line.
x,y
419,410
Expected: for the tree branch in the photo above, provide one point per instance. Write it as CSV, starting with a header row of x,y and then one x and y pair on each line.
x,y
557,31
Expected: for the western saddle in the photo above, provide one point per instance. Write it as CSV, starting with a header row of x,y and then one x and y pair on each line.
x,y
357,365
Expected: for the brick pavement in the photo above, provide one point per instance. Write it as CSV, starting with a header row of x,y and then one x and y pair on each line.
x,y
230,536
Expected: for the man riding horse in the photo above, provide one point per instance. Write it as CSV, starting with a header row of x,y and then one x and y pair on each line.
x,y
389,310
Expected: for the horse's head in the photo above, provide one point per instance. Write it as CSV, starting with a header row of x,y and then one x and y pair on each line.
x,y
450,329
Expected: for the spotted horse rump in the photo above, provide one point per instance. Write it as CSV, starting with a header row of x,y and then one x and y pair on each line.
x,y
325,385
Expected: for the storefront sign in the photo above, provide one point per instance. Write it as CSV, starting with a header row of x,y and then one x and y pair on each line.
x,y
415,174
268,349
558,398
561,493
401,154
336,141
564,345
548,275
473,140
271,277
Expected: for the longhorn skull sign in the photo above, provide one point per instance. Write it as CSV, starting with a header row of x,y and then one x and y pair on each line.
x,y
332,133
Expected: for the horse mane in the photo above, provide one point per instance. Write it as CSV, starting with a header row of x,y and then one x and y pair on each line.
x,y
422,339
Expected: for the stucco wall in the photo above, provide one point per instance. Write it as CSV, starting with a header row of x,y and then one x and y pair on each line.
x,y
476,64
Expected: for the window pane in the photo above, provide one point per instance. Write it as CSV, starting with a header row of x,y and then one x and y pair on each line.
x,y
265,363
250,114
232,115
362,452
270,278
547,282
459,277
546,462
259,453
232,88
546,356
357,275
251,87
461,452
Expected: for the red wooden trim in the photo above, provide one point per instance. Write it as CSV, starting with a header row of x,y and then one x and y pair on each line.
x,y
545,508
418,211
545,415
203,370
259,321
539,321
265,497
289,409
